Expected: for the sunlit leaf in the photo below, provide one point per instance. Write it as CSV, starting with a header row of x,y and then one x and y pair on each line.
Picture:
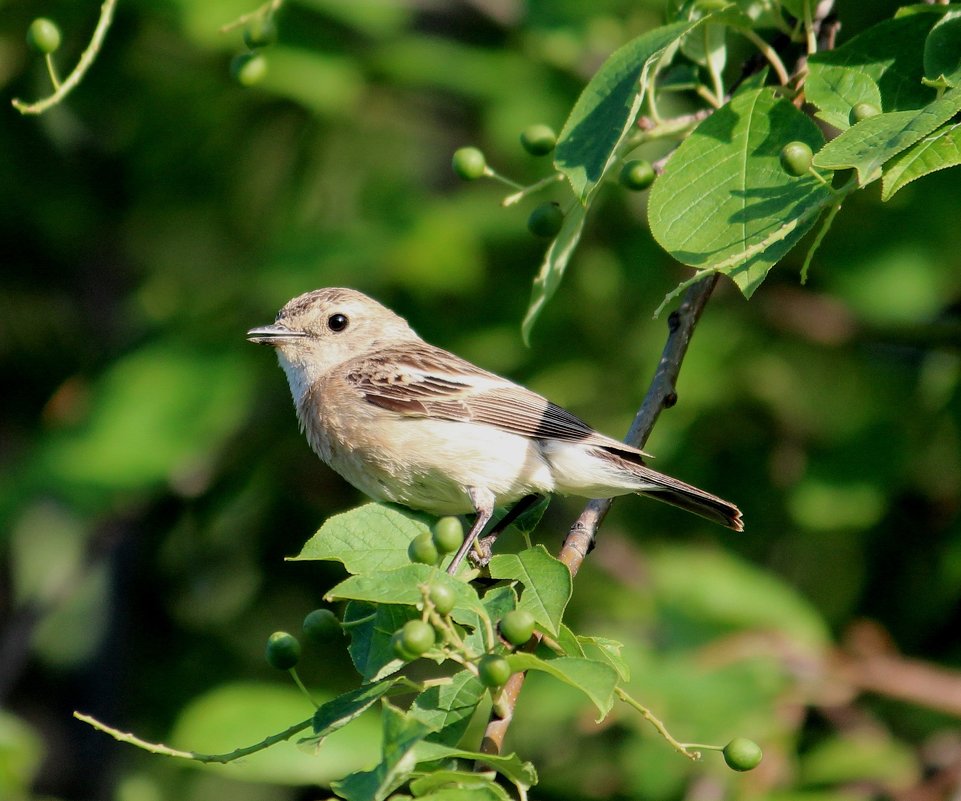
x,y
371,537
875,140
940,150
595,679
547,583
724,198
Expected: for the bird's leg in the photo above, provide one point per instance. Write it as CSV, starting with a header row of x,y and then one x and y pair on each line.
x,y
483,503
513,513
484,514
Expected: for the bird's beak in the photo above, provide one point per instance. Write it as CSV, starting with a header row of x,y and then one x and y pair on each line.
x,y
274,334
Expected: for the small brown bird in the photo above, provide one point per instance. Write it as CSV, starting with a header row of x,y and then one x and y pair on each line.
x,y
410,423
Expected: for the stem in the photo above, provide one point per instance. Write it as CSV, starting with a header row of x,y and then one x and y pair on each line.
x,y
52,70
74,78
809,32
296,677
270,7
166,750
707,95
649,716
510,200
489,173
769,53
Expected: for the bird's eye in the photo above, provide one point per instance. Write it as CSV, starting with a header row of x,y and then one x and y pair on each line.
x,y
337,323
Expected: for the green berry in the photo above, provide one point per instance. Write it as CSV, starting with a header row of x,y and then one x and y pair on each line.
x,y
248,68
637,175
423,550
517,626
448,534
493,670
539,140
260,32
43,35
283,650
321,626
742,754
443,598
469,163
796,158
861,111
413,639
546,220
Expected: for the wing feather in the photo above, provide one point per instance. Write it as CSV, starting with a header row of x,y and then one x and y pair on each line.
x,y
424,381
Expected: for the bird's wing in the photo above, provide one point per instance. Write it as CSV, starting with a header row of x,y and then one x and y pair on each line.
x,y
421,380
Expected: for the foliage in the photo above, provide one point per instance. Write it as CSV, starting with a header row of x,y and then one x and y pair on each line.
x,y
161,210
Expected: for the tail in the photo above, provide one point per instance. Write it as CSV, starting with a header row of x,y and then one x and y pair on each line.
x,y
670,490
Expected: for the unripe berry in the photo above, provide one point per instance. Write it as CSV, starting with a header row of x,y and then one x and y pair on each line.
x,y
493,670
260,32
637,175
796,158
443,598
43,35
546,220
517,626
248,68
423,550
413,639
742,754
283,650
861,111
448,534
469,163
539,140
321,626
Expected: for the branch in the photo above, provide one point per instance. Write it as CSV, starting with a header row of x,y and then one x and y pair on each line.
x,y
580,539
74,78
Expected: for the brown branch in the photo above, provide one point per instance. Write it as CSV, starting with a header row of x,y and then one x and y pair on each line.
x,y
580,538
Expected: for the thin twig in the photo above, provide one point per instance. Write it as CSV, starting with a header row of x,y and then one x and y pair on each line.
x,y
74,78
660,395
166,750
265,10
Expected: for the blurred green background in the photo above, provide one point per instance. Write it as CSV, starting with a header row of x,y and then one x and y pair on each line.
x,y
152,478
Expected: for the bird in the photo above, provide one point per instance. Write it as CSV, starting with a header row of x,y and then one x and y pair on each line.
x,y
410,423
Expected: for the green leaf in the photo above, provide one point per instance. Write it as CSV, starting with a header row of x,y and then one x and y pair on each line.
x,y
605,649
547,583
446,709
344,708
371,628
595,679
569,642
875,140
552,269
881,66
725,202
401,735
606,109
497,602
403,585
458,785
707,45
940,150
510,766
942,50
371,537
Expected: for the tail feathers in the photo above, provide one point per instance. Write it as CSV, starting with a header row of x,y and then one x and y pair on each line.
x,y
708,506
670,490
